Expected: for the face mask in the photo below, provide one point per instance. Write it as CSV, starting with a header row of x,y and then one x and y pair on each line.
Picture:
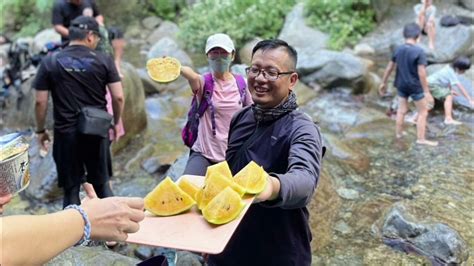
x,y
220,65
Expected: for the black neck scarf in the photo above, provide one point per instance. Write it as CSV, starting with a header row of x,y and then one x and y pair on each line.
x,y
266,115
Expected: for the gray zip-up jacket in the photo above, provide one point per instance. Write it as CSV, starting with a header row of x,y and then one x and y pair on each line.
x,y
289,148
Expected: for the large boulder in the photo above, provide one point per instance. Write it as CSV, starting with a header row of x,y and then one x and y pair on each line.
x,y
43,37
304,39
168,47
469,4
450,43
382,7
134,115
438,242
166,29
332,69
245,53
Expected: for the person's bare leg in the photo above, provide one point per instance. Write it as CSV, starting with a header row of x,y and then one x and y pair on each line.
x,y
421,123
401,111
431,31
118,46
448,111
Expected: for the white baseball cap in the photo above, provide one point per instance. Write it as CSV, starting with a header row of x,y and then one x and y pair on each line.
x,y
220,40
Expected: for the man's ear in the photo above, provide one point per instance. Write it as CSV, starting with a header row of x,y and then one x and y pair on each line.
x,y
293,80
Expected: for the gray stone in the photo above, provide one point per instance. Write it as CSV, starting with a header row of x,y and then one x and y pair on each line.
x,y
245,53
460,42
151,165
177,168
469,4
347,193
304,39
43,37
332,69
364,49
168,47
438,242
342,227
151,22
91,256
166,29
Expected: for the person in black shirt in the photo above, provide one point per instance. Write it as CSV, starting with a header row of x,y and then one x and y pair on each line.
x,y
64,11
78,77
410,81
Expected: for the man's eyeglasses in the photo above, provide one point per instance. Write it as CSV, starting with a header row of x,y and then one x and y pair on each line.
x,y
270,75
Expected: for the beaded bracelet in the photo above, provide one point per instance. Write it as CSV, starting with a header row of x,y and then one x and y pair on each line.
x,y
87,225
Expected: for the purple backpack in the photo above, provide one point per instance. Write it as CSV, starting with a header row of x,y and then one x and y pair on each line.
x,y
190,130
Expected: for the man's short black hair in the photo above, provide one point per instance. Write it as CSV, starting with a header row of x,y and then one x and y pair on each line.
x,y
274,44
81,26
462,63
411,31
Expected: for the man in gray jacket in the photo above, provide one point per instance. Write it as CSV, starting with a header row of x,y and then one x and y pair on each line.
x,y
286,142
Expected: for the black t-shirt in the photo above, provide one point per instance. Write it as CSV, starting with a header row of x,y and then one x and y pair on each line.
x,y
64,12
79,79
408,57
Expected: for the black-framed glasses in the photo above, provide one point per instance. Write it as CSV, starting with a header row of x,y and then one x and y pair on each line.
x,y
270,75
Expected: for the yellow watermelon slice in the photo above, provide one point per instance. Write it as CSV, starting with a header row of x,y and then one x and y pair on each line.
x,y
187,186
168,199
214,184
224,207
252,177
221,168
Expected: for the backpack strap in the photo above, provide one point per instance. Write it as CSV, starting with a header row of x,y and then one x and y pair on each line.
x,y
242,88
206,101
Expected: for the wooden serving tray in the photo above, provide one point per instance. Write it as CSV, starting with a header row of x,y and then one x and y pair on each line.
x,y
187,231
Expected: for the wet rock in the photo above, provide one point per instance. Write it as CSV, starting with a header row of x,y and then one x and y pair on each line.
x,y
91,256
349,194
135,162
342,227
44,178
186,258
438,242
151,165
324,208
305,40
177,168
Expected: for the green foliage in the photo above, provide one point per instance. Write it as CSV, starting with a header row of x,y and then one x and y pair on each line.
x,y
346,21
25,17
168,9
242,20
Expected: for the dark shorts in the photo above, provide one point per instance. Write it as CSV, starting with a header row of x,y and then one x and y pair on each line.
x,y
197,164
415,96
76,155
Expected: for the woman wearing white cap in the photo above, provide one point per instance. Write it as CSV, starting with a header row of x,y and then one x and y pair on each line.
x,y
228,95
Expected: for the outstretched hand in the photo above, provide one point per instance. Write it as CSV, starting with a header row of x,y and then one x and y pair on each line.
x,y
271,190
115,217
43,139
